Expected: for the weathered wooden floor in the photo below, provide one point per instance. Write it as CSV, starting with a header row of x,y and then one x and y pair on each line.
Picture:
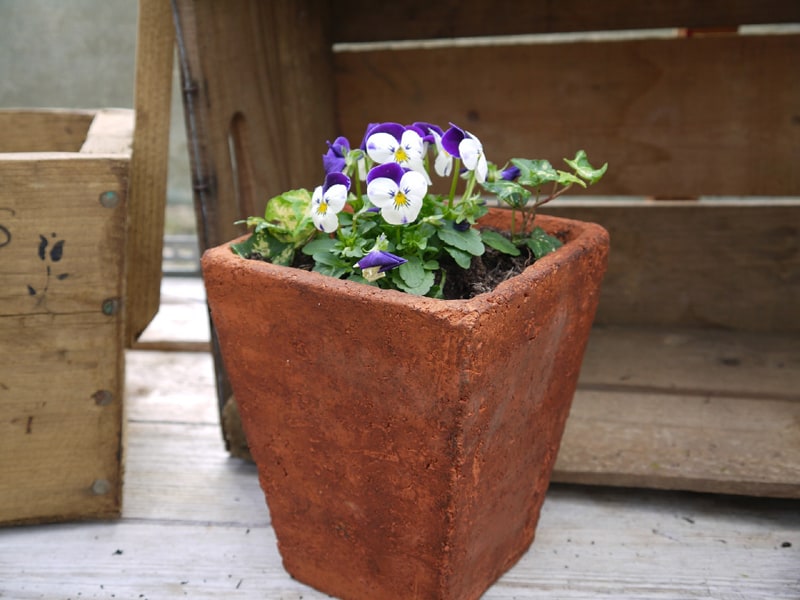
x,y
195,525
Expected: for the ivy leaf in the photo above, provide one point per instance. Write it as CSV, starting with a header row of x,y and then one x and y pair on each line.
x,y
534,173
565,178
542,243
510,192
468,241
499,242
290,212
585,170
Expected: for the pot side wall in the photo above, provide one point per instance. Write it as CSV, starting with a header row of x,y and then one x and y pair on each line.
x,y
385,426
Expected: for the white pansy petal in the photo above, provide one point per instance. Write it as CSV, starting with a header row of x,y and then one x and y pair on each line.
x,y
381,191
481,169
336,196
470,150
414,186
381,147
412,142
329,222
443,164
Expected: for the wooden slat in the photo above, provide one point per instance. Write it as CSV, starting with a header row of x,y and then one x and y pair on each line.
x,y
59,431
54,200
700,410
672,117
148,176
258,91
62,266
43,130
730,265
111,132
359,21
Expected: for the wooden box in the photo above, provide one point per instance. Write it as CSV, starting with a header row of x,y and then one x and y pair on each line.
x,y
692,374
63,198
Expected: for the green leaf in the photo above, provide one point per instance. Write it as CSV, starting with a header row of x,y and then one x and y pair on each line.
x,y
468,241
542,243
499,242
412,272
290,212
463,259
565,178
423,287
319,244
266,246
534,173
510,192
584,169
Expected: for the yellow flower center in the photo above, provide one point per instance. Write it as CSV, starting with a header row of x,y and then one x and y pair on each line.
x,y
323,208
400,155
400,200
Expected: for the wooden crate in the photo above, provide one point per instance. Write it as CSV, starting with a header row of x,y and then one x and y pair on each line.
x,y
697,121
63,214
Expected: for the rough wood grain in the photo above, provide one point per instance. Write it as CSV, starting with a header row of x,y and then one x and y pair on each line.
x,y
44,130
358,21
62,260
60,417
716,264
672,117
148,175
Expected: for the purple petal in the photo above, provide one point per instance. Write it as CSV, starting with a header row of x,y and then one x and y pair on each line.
x,y
390,170
424,130
510,174
333,160
394,129
332,179
380,258
452,138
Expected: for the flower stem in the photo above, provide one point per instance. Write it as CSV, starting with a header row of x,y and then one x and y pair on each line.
x,y
456,169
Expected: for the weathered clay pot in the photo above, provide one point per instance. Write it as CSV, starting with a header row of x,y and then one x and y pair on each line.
x,y
405,444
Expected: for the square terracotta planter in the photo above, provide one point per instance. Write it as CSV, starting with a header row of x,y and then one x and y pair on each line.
x,y
405,444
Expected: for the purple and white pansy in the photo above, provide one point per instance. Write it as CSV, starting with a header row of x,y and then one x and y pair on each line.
x,y
328,200
462,144
394,143
398,192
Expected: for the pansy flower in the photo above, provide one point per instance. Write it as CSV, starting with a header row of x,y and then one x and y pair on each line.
x,y
333,161
462,144
398,192
393,143
375,264
328,200
509,174
443,165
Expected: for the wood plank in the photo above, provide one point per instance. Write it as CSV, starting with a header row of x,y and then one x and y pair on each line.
x,y
61,250
44,130
111,132
358,21
716,264
590,543
148,175
705,363
60,416
650,108
258,98
700,443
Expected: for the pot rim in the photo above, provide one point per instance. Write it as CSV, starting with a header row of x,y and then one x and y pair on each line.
x,y
582,236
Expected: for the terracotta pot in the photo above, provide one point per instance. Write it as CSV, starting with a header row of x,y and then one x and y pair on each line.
x,y
405,444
